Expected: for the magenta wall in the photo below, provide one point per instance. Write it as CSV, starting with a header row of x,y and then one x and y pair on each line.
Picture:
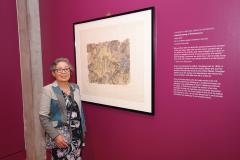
x,y
11,115
182,128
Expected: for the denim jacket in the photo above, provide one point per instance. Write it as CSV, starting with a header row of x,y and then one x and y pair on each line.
x,y
53,112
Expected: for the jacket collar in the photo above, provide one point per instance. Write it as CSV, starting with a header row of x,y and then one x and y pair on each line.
x,y
57,89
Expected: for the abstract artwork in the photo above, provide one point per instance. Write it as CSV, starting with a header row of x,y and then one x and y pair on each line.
x,y
109,62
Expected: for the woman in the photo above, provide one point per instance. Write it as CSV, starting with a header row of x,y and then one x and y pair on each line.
x,y
60,108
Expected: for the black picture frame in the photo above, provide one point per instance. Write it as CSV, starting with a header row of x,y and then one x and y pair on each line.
x,y
114,60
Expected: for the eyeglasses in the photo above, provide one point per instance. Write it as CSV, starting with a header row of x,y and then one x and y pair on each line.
x,y
62,70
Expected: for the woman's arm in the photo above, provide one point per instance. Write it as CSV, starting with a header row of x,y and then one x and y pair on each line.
x,y
44,111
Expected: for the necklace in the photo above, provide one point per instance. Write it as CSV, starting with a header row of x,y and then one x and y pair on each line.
x,y
65,87
66,90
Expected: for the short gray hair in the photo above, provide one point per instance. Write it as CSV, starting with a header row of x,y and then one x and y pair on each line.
x,y
56,61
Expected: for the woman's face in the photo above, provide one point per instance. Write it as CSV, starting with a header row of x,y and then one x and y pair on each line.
x,y
62,72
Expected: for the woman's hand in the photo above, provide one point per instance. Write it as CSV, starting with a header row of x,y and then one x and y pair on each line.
x,y
60,142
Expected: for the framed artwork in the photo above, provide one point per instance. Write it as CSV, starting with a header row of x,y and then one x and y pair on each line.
x,y
114,60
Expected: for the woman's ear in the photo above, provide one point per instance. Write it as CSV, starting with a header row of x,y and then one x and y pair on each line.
x,y
53,74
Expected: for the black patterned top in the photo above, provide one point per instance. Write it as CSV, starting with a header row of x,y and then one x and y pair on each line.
x,y
73,117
